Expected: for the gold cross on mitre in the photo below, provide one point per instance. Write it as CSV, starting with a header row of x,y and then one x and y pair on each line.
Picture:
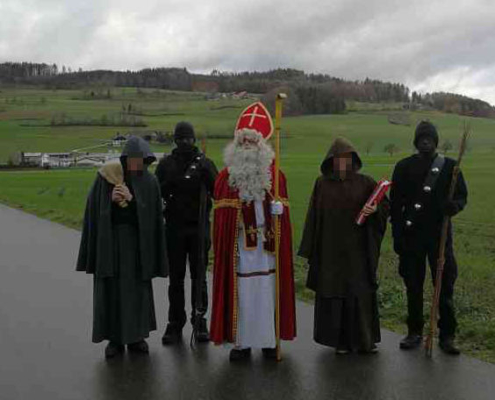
x,y
254,115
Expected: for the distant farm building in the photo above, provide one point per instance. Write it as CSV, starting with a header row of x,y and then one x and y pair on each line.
x,y
60,160
240,95
33,159
119,140
46,160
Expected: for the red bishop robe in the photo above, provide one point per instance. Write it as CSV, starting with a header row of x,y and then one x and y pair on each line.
x,y
229,211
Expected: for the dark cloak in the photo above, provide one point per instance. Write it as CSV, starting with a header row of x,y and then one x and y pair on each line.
x,y
95,252
124,248
343,257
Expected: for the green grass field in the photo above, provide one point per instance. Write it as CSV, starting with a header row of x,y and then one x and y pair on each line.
x,y
60,195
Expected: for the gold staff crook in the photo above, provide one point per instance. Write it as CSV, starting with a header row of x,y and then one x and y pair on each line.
x,y
278,119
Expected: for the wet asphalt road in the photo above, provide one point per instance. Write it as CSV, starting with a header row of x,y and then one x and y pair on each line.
x,y
46,351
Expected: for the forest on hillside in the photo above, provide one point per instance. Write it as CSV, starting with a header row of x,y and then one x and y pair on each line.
x,y
312,93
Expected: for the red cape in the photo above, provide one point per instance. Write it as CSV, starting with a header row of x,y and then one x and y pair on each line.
x,y
227,215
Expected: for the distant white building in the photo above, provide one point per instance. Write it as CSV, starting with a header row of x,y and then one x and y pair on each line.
x,y
45,160
60,160
96,159
31,159
118,141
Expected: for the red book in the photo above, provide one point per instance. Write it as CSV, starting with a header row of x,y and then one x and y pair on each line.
x,y
376,197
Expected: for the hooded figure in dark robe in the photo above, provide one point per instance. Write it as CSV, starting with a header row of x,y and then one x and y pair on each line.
x,y
123,246
343,256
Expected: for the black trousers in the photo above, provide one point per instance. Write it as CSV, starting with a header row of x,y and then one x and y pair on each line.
x,y
183,246
412,268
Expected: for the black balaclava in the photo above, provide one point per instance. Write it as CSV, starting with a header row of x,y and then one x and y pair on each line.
x,y
425,128
184,130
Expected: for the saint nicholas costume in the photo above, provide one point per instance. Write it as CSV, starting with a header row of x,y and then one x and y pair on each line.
x,y
244,295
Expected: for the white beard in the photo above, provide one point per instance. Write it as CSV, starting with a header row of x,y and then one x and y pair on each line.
x,y
249,168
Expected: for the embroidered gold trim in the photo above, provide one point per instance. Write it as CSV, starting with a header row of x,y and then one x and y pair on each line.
x,y
285,202
226,203
234,263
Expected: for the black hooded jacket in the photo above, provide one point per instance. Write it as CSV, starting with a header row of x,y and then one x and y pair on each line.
x,y
96,249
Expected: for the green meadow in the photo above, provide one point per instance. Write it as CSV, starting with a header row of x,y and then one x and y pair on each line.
x,y
60,195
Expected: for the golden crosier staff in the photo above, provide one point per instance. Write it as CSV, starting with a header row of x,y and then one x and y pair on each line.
x,y
278,119
443,243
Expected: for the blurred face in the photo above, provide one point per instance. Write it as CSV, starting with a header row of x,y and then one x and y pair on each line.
x,y
342,163
184,143
135,165
426,145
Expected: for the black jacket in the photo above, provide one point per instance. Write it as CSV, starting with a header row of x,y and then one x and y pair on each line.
x,y
180,175
407,188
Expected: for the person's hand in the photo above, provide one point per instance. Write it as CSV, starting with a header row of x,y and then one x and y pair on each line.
x,y
117,195
277,208
451,208
368,210
121,193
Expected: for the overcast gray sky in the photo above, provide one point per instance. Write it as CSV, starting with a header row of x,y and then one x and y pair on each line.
x,y
426,44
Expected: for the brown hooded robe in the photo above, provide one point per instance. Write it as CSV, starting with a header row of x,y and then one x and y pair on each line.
x,y
343,257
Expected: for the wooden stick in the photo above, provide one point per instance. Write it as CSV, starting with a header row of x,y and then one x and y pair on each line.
x,y
443,243
278,119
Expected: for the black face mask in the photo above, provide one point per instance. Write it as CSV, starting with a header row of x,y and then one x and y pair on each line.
x,y
185,145
426,146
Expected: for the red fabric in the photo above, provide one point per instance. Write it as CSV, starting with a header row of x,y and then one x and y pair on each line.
x,y
256,117
251,228
225,230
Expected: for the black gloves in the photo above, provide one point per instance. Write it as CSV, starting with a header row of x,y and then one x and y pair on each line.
x,y
451,208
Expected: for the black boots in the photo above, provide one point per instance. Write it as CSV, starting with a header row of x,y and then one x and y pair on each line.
x,y
447,345
113,349
239,354
172,335
269,352
411,341
202,334
139,347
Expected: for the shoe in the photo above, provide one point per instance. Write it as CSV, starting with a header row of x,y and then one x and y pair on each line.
x,y
239,354
373,350
341,351
269,352
113,349
411,341
447,345
139,347
202,335
172,335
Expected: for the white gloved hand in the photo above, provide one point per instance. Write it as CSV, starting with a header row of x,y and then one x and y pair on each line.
x,y
277,208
